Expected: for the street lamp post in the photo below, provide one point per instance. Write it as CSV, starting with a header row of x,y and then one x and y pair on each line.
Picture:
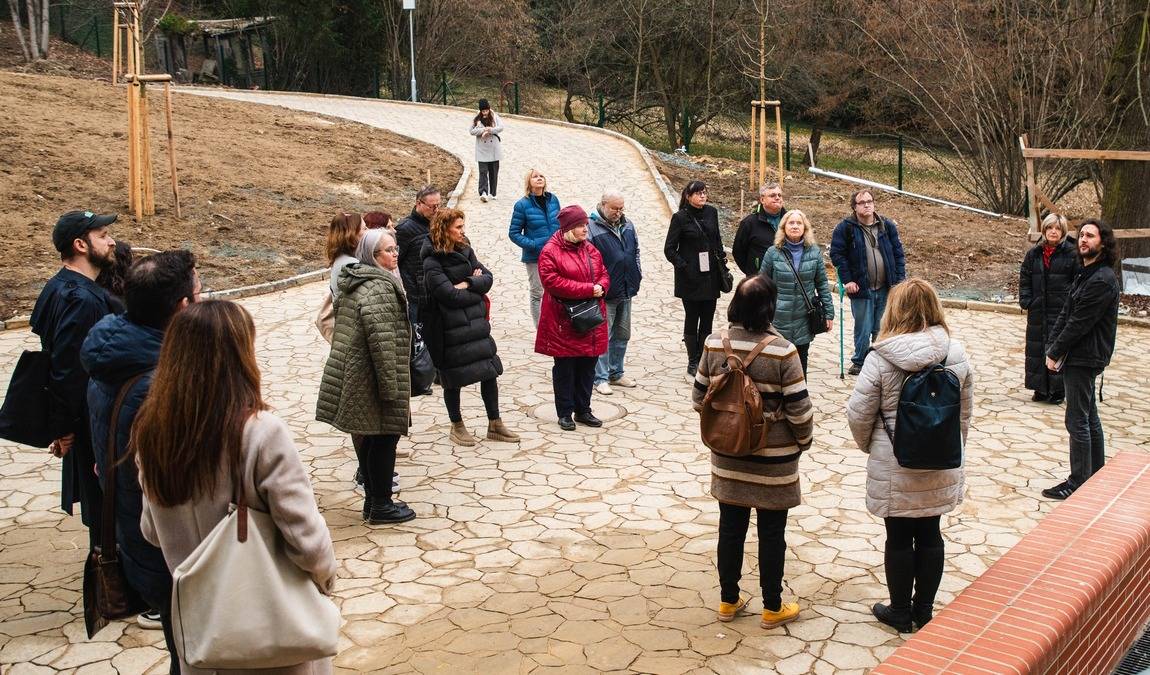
x,y
409,5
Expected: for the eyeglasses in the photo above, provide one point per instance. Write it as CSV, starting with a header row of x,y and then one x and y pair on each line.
x,y
388,249
433,207
864,202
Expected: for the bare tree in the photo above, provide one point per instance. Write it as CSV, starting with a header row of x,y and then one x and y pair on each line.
x,y
34,42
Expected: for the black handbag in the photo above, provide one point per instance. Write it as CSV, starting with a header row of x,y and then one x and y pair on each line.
x,y
107,594
24,416
422,369
816,313
585,315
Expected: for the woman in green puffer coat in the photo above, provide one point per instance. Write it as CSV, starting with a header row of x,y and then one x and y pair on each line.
x,y
795,258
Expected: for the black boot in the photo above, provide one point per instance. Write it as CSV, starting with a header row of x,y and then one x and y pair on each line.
x,y
691,340
900,583
928,564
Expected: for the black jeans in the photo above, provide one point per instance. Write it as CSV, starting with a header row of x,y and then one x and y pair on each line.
x,y
733,524
571,379
1087,444
803,350
489,178
488,389
698,317
377,462
914,558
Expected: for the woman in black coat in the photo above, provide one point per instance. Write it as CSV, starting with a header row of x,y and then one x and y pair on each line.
x,y
695,248
456,326
1043,284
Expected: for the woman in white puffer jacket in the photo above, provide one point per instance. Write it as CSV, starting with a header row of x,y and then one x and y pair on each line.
x,y
914,335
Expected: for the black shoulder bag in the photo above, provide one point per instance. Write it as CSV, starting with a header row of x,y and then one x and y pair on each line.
x,y
585,314
726,279
816,313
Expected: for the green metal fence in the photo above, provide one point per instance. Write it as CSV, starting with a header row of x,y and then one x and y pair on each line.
x,y
87,25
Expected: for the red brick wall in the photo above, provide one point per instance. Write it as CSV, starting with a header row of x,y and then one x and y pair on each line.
x,y
1070,597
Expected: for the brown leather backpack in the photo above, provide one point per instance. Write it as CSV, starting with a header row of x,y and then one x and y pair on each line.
x,y
731,419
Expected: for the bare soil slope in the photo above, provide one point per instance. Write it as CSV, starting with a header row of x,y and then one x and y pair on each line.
x,y
258,184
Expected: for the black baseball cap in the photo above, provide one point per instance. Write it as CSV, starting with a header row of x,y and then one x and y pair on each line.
x,y
75,224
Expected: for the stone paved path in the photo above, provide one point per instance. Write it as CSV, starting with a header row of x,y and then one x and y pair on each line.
x,y
580,552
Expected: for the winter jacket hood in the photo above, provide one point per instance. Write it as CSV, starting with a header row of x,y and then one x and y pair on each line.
x,y
914,351
117,349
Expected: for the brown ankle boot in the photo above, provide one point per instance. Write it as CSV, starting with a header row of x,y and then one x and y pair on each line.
x,y
460,435
497,431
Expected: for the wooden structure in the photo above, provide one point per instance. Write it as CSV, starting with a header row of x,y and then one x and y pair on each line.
x,y
1036,197
759,142
140,190
127,41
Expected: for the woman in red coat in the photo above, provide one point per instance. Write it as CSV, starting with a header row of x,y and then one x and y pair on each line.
x,y
571,269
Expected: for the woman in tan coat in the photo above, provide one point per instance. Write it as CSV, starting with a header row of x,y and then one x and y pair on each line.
x,y
203,418
914,335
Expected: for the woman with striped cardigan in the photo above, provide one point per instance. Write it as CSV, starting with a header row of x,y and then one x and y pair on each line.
x,y
768,479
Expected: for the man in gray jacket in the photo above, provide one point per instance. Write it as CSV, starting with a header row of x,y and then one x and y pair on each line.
x,y
614,236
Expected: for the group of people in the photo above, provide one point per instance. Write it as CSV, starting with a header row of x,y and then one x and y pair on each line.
x,y
138,358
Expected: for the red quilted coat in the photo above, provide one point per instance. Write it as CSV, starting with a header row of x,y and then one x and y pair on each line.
x,y
563,269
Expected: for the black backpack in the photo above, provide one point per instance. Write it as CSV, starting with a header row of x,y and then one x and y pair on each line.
x,y
928,425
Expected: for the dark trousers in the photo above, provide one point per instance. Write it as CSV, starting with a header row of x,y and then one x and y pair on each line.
x,y
1087,445
733,524
572,378
488,389
376,456
803,350
489,177
698,317
161,601
914,559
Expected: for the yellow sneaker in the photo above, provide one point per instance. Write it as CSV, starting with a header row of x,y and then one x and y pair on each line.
x,y
788,612
729,610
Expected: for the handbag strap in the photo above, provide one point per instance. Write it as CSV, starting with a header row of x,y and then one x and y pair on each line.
x,y
802,288
108,517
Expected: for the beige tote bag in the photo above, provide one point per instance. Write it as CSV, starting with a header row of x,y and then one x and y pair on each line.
x,y
238,601
325,318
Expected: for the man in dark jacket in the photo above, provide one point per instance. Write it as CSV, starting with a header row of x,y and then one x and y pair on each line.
x,y
868,255
70,304
410,235
1080,346
122,351
615,237
757,230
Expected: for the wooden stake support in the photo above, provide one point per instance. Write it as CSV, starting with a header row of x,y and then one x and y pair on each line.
x,y
141,193
127,41
758,172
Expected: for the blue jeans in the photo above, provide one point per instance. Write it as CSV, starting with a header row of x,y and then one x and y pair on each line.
x,y
867,313
610,365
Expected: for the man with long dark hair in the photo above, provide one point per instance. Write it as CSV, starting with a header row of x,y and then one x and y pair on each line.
x,y
1080,345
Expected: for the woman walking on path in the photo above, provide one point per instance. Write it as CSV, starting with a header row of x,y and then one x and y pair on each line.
x,y
366,385
768,479
1043,285
486,128
914,336
795,264
533,220
457,326
203,424
571,268
695,248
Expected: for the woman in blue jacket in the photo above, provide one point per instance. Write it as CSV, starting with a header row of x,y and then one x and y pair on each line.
x,y
795,264
534,219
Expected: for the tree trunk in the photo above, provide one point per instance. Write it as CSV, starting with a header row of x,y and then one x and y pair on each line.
x,y
15,10
816,138
45,15
33,30
1126,185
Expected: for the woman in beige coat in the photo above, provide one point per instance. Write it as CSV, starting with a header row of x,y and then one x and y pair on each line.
x,y
203,417
914,335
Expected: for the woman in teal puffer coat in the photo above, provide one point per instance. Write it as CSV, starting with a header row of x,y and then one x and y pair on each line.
x,y
796,253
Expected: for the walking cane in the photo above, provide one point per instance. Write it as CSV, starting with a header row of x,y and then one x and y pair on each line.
x,y
842,319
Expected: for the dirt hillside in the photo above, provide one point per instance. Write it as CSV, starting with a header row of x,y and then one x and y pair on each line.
x,y
258,184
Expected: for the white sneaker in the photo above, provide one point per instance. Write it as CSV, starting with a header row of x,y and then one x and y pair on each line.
x,y
149,620
604,388
491,197
483,197
624,382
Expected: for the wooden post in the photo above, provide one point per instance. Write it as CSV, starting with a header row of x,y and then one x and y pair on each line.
x,y
779,140
149,198
134,149
115,45
754,141
1031,195
762,142
171,146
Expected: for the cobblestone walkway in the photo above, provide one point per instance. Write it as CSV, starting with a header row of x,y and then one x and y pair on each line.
x,y
589,551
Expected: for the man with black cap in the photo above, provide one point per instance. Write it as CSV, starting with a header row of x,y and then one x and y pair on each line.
x,y
70,304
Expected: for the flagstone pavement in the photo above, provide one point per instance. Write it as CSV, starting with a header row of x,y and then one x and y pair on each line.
x,y
590,551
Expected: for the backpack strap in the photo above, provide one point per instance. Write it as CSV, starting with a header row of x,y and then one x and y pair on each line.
x,y
733,360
